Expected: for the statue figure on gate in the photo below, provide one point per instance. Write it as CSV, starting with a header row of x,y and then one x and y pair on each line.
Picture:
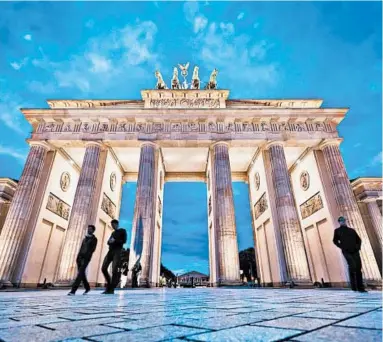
x,y
175,80
195,79
160,81
184,73
212,84
184,69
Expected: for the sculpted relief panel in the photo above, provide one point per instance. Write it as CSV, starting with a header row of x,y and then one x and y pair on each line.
x,y
58,206
311,206
261,206
108,206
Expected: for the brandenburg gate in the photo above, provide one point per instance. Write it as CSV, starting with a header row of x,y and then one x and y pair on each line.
x,y
82,152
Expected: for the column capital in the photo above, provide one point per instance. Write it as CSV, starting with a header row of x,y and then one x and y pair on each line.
x,y
41,143
273,143
95,143
370,199
330,142
219,143
149,143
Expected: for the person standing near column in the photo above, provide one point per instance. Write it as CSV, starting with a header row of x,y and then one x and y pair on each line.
x,y
115,242
88,246
348,240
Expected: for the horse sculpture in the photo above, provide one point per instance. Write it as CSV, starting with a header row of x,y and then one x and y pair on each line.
x,y
212,84
195,79
175,80
160,81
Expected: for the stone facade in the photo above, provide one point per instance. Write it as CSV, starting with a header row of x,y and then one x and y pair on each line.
x,y
286,150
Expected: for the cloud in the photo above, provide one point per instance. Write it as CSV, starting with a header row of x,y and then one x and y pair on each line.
x,y
89,24
28,37
121,55
19,65
240,16
20,155
239,58
377,159
42,88
191,8
200,23
10,113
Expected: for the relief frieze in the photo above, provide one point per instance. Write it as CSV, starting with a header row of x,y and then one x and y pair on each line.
x,y
189,126
58,206
311,206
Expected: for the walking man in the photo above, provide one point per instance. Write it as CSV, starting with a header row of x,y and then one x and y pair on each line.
x,y
88,246
349,242
115,242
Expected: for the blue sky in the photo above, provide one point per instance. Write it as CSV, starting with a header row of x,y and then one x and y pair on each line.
x,y
262,50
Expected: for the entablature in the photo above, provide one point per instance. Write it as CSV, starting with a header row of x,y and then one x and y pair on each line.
x,y
367,188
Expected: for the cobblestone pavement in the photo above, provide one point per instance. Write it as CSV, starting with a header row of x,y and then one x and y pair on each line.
x,y
192,315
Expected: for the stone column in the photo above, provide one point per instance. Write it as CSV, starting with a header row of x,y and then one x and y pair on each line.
x,y
288,221
80,214
144,213
347,205
376,218
17,220
224,216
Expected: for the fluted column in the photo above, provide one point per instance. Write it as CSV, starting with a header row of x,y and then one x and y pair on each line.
x,y
224,216
376,218
347,205
144,211
17,220
81,210
288,221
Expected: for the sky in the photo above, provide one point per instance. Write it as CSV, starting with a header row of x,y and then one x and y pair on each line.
x,y
85,50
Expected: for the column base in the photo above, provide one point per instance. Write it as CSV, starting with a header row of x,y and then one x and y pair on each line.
x,y
228,283
5,284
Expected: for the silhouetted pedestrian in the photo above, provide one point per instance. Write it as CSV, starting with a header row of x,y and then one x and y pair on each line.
x,y
88,246
348,240
135,271
115,242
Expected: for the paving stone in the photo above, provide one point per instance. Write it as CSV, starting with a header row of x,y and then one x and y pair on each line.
x,y
152,314
148,335
371,320
39,334
302,323
82,323
247,333
76,317
31,321
327,314
341,334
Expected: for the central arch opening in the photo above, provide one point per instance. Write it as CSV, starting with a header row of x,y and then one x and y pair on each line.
x,y
185,245
185,242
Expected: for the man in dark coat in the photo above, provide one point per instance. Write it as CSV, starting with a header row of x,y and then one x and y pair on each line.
x,y
88,246
115,242
348,240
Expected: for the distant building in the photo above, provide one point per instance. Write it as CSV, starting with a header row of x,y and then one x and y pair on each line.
x,y
193,278
7,191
